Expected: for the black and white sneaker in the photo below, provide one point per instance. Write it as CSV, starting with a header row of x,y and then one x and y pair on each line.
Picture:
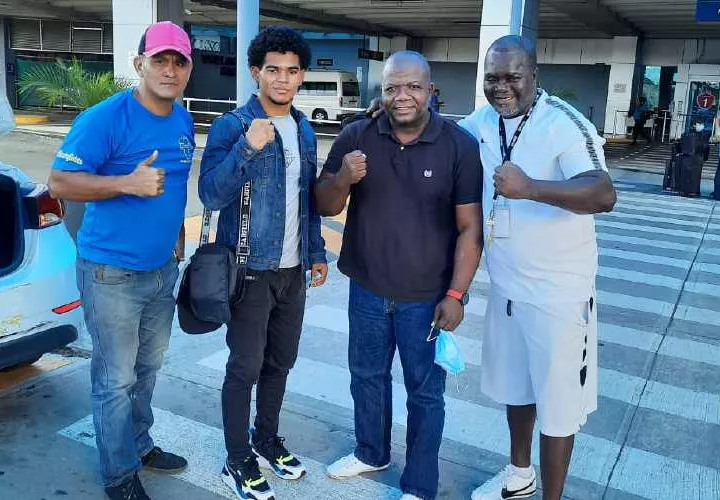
x,y
508,484
272,454
247,481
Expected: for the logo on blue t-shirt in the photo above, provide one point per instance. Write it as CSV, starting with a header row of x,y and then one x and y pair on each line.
x,y
187,149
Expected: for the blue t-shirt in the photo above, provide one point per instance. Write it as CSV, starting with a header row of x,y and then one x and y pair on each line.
x,y
111,138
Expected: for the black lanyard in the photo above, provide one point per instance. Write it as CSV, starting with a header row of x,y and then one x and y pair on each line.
x,y
505,149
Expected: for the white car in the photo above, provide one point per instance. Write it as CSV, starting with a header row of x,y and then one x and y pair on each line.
x,y
39,300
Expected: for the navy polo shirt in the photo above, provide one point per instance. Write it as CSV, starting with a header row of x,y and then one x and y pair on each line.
x,y
400,233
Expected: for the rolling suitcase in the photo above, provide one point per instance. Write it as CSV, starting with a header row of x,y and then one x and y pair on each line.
x,y
688,183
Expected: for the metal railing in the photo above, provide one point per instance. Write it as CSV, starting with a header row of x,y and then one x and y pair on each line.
x,y
628,121
212,108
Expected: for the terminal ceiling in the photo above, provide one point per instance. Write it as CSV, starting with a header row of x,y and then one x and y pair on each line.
x,y
417,18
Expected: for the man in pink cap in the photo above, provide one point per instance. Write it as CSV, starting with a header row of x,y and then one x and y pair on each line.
x,y
128,158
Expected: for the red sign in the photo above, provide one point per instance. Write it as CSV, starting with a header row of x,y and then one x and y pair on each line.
x,y
706,100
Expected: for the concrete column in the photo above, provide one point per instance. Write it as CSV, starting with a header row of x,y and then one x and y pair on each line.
x,y
130,20
3,62
680,103
248,25
620,87
374,77
501,18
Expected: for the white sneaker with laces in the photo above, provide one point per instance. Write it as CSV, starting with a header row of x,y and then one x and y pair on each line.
x,y
350,466
507,485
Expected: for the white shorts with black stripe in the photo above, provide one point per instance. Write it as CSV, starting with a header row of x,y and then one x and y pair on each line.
x,y
545,356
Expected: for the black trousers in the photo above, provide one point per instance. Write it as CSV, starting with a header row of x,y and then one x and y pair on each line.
x,y
263,337
639,130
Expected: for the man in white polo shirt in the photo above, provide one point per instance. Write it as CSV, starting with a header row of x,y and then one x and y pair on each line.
x,y
545,175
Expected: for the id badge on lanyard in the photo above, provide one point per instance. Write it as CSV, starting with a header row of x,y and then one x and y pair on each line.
x,y
500,220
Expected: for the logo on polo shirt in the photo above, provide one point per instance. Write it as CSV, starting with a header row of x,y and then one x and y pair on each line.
x,y
428,173
187,149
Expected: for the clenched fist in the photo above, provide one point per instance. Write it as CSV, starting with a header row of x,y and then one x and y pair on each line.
x,y
354,167
145,180
260,134
512,183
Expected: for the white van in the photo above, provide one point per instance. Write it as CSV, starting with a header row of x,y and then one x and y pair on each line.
x,y
328,95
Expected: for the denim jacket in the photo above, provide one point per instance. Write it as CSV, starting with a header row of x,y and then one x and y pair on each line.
x,y
229,161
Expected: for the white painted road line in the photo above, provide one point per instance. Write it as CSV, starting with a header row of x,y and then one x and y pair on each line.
x,y
620,300
674,214
604,238
650,229
643,257
465,422
204,448
638,277
691,350
698,315
652,218
653,476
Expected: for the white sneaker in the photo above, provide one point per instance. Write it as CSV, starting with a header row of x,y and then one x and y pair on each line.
x,y
507,485
350,466
408,496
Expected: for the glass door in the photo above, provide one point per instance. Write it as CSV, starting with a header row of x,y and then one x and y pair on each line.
x,y
702,106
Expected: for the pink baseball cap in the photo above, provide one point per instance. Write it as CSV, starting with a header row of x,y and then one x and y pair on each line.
x,y
163,36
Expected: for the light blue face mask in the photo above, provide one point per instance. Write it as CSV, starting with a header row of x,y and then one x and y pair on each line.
x,y
447,353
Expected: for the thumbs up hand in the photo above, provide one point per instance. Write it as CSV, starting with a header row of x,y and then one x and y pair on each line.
x,y
146,180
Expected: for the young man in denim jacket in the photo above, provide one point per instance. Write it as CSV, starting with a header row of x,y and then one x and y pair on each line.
x,y
271,144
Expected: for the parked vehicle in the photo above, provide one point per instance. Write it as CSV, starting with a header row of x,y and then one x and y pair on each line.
x,y
39,300
328,95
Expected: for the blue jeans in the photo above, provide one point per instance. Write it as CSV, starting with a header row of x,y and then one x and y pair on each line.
x,y
377,326
129,316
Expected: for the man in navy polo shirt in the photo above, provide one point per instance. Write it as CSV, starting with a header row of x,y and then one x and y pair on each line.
x,y
411,247
129,158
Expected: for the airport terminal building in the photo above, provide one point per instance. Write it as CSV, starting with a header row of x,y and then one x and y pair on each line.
x,y
600,55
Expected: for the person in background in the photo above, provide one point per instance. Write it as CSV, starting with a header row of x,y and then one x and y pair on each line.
x,y
435,102
641,115
128,158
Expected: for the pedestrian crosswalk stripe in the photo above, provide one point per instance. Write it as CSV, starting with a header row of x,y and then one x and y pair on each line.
x,y
703,288
691,350
603,238
652,218
712,237
674,214
686,403
666,200
710,251
649,475
649,229
643,304
203,447
644,257
705,267
697,315
629,337
612,384
592,459
638,277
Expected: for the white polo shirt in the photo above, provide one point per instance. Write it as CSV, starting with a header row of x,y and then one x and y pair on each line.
x,y
551,254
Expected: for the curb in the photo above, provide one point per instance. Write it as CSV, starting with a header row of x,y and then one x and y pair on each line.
x,y
31,119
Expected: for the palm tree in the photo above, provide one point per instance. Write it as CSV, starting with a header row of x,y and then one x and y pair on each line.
x,y
69,84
